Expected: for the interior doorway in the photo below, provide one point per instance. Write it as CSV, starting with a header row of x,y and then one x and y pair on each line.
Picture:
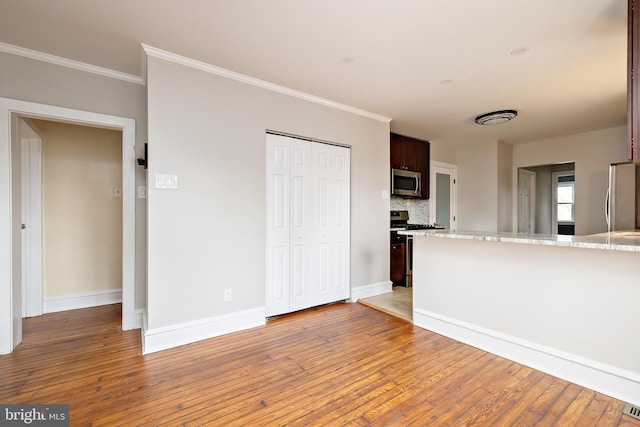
x,y
72,216
539,208
11,216
443,201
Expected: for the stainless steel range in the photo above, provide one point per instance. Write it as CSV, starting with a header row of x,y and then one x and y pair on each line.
x,y
402,248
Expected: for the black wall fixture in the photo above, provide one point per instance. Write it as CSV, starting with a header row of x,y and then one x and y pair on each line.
x,y
145,160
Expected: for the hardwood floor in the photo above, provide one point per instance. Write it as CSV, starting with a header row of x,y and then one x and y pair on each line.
x,y
342,364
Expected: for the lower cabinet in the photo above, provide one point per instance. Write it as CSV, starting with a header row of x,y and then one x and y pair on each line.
x,y
398,256
307,224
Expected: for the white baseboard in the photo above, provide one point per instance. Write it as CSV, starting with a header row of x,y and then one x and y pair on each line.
x,y
372,290
138,318
610,380
73,302
162,338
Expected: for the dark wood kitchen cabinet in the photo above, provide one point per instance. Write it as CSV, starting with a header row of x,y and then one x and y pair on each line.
x,y
411,154
398,253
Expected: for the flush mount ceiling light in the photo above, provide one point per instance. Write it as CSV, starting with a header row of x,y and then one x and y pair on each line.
x,y
496,117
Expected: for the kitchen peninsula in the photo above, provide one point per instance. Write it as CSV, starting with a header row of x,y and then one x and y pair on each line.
x,y
566,305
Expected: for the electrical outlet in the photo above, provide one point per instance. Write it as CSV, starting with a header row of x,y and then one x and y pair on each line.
x,y
228,295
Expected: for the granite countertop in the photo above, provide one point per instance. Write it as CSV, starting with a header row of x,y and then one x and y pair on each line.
x,y
615,240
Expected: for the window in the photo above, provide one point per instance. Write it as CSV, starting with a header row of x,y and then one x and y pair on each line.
x,y
565,193
563,203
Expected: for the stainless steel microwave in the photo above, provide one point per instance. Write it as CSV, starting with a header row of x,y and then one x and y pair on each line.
x,y
406,183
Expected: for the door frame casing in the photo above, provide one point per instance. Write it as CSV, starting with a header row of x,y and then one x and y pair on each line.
x,y
446,169
10,277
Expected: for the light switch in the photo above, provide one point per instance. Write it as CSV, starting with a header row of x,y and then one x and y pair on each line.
x,y
142,192
169,182
385,195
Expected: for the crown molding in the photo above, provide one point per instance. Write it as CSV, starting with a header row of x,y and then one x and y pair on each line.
x,y
222,72
69,63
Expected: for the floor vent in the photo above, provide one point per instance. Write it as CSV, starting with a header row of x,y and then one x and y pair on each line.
x,y
632,411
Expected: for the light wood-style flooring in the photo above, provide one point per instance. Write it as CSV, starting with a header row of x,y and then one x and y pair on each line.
x,y
398,302
342,364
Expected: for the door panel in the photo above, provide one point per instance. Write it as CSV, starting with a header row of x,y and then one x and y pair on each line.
x,y
443,196
526,207
310,182
443,202
277,230
32,233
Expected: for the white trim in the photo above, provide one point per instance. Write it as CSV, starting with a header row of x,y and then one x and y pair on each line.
x,y
372,290
89,299
139,316
222,72
166,337
69,63
618,383
128,127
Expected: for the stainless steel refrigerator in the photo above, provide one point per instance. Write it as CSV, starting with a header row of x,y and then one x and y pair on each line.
x,y
620,206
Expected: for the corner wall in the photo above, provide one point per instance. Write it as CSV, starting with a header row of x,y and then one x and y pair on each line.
x,y
209,234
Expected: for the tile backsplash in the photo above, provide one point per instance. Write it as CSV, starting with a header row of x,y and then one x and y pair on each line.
x,y
418,209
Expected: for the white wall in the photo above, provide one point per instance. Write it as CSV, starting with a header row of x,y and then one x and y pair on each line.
x,y
209,234
443,152
505,186
592,153
35,81
478,186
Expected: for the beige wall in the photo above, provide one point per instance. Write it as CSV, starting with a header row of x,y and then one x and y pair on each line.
x,y
81,216
592,153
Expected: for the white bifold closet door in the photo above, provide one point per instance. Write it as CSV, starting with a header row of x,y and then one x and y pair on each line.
x,y
307,241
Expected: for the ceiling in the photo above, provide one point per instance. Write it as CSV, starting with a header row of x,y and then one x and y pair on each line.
x,y
430,65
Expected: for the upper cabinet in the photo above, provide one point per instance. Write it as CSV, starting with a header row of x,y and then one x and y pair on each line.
x,y
633,71
411,154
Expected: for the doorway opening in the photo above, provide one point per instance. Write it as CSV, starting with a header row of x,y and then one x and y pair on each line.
x,y
11,111
443,203
538,201
72,216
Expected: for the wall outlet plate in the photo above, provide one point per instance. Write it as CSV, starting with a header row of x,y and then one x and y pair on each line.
x,y
228,295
